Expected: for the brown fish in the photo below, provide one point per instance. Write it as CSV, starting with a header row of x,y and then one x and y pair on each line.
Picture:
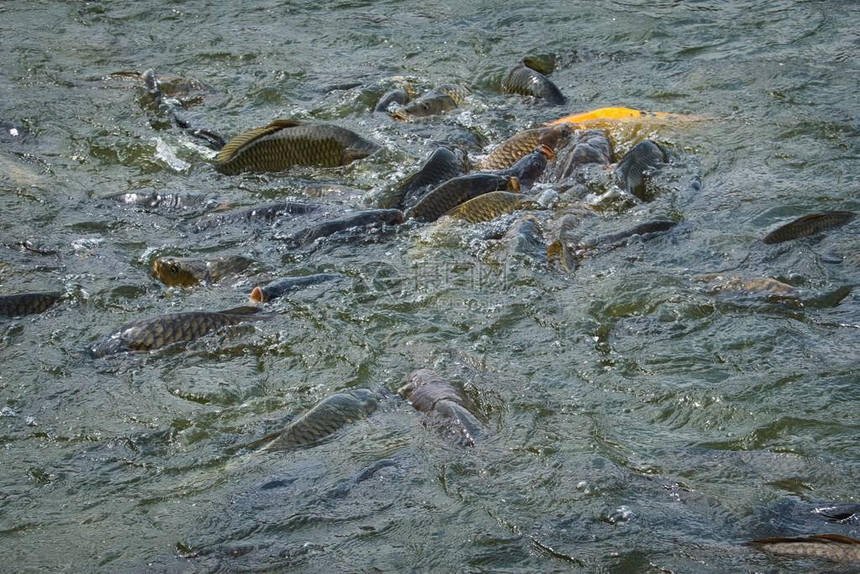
x,y
491,205
832,547
162,330
515,147
286,143
27,303
530,167
186,271
526,81
459,190
809,225
443,404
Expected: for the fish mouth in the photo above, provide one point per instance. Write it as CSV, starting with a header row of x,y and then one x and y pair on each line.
x,y
258,296
400,115
546,151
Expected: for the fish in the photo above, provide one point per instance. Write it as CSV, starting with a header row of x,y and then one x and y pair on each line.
x,y
525,237
443,164
523,143
27,303
609,116
530,167
429,104
543,63
459,190
397,96
808,225
186,272
491,205
162,330
565,235
764,286
526,81
584,147
330,415
637,164
443,405
357,219
284,285
832,547
265,212
647,230
283,144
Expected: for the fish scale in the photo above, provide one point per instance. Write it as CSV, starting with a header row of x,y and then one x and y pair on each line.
x,y
27,303
162,330
523,143
459,190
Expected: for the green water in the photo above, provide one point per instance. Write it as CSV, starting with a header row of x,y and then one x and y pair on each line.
x,y
637,419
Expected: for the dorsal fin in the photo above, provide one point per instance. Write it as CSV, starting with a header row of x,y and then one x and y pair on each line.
x,y
232,147
243,310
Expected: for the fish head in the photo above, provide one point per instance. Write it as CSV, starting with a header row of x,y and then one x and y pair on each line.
x,y
368,399
173,272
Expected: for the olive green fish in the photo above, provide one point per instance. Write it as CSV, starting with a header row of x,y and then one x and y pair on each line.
x,y
429,104
27,303
370,217
186,271
809,225
286,143
637,164
515,147
455,191
443,405
525,81
832,547
584,147
491,205
162,330
326,418
442,165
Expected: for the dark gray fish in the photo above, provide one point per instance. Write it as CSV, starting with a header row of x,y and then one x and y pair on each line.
x,y
397,96
284,285
543,63
647,230
525,81
429,104
283,144
832,547
162,330
265,212
27,303
349,221
523,143
840,513
325,419
525,237
584,147
455,191
637,164
28,246
442,165
530,167
809,225
443,404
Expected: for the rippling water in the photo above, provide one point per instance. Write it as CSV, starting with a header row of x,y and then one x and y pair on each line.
x,y
639,420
